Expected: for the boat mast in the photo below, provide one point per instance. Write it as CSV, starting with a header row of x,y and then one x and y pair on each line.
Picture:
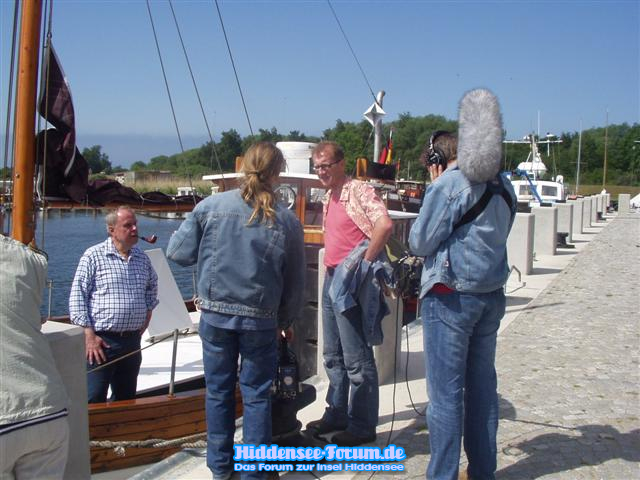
x,y
604,170
25,144
578,167
377,128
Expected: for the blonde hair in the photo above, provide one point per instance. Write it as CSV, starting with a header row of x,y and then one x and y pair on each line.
x,y
261,165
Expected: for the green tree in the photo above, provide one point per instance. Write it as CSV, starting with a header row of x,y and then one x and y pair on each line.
x,y
161,162
229,147
263,136
138,166
410,136
97,160
297,136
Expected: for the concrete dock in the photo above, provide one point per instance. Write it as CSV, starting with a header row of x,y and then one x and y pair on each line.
x,y
568,373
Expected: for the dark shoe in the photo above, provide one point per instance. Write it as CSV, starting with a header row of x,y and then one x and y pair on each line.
x,y
348,439
320,427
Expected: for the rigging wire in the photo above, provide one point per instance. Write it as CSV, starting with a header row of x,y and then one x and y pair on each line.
x,y
406,371
5,171
44,87
166,83
233,64
364,75
214,152
164,75
352,51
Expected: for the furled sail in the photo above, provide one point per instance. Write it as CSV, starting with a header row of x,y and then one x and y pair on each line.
x,y
66,172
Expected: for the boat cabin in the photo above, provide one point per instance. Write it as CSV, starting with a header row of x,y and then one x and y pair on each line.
x,y
301,192
548,191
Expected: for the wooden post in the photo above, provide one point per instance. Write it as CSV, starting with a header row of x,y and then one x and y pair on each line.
x,y
361,167
24,151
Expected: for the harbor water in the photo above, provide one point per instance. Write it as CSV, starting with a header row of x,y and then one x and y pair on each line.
x,y
65,235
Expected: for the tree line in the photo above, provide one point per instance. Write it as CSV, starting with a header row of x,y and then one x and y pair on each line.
x,y
410,135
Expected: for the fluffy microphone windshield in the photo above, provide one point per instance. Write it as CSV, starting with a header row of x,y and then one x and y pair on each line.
x,y
479,135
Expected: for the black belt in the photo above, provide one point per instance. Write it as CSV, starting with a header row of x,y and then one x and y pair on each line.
x,y
331,270
128,333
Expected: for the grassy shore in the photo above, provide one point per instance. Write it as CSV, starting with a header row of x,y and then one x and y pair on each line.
x,y
614,190
170,187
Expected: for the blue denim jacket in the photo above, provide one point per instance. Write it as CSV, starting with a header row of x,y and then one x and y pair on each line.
x,y
256,270
473,258
358,282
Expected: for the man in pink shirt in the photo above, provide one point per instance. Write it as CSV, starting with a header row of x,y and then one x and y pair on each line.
x,y
352,213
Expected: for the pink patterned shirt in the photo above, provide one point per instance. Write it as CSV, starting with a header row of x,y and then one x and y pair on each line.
x,y
361,203
341,234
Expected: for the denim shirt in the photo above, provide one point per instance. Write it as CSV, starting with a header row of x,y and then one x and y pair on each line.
x,y
358,282
472,258
255,270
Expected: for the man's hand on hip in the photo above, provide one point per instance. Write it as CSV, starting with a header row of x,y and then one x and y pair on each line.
x,y
94,346
146,322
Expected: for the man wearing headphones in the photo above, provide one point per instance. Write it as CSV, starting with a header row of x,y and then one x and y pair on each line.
x,y
461,232
440,153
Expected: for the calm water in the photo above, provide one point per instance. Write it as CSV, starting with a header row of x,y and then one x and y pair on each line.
x,y
68,235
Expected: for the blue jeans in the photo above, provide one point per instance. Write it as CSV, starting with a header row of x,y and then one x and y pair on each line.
x,y
257,350
460,332
122,376
352,396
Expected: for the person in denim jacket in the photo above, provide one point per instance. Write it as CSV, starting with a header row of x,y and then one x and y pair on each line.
x,y
352,213
462,294
250,260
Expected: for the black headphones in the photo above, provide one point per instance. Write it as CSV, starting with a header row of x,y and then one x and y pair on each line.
x,y
435,155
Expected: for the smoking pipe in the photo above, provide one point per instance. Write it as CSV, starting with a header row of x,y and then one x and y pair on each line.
x,y
151,239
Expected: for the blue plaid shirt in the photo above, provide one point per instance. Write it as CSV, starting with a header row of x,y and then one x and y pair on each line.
x,y
110,292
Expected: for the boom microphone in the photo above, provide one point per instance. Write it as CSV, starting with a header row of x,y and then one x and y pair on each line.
x,y
479,135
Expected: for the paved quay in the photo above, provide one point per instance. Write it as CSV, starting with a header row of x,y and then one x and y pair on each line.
x,y
567,362
568,372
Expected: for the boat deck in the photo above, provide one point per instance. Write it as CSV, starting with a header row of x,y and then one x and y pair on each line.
x,y
155,369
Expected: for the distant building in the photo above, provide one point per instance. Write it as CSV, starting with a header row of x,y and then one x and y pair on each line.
x,y
132,177
6,186
184,191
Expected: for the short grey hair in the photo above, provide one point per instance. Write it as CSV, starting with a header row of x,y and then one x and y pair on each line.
x,y
111,218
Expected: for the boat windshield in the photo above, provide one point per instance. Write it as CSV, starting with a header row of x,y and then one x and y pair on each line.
x,y
549,190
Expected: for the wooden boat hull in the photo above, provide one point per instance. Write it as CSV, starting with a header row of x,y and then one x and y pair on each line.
x,y
160,416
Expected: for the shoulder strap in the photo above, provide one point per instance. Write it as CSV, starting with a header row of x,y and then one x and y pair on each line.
x,y
476,210
481,204
508,199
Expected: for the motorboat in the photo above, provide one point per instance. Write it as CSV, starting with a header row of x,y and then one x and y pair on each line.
x,y
530,180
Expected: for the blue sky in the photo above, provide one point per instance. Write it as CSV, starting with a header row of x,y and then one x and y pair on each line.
x,y
564,62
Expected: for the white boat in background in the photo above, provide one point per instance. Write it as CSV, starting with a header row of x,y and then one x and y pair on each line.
x,y
532,187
